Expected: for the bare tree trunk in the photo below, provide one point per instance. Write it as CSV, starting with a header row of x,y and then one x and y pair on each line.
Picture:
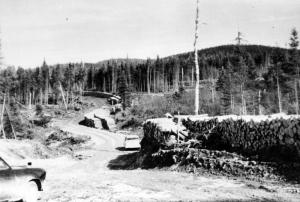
x,y
81,91
176,77
259,103
67,97
154,80
93,77
163,78
63,96
231,102
33,97
278,93
242,94
29,104
148,79
244,107
182,76
41,96
113,89
104,84
46,89
296,96
192,77
196,62
212,82
296,91
2,114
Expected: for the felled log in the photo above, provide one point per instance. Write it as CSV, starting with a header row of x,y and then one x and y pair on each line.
x,y
103,122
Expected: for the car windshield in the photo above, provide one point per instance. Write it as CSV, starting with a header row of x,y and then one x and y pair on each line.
x,y
3,165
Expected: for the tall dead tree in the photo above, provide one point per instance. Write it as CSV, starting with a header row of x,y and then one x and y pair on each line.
x,y
0,55
196,61
114,80
278,89
148,77
176,71
294,43
2,115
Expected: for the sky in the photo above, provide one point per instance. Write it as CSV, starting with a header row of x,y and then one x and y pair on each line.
x,y
63,31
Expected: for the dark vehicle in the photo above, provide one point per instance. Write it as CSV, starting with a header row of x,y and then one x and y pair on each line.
x,y
20,183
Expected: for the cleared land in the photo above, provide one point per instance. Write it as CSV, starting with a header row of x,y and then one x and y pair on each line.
x,y
85,176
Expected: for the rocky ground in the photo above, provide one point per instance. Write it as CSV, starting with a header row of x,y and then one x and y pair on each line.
x,y
94,173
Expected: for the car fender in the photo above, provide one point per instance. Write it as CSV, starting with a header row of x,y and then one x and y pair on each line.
x,y
38,184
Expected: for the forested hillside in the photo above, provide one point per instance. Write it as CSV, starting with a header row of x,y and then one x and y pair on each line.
x,y
241,79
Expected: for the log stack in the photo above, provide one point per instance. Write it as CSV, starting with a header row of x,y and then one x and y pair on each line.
x,y
154,138
276,139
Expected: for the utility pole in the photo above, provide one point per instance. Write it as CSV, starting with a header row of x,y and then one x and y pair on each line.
x,y
196,61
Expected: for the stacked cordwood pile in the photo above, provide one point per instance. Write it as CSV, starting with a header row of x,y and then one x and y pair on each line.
x,y
274,137
161,133
227,145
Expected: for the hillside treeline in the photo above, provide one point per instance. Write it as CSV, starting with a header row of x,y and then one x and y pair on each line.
x,y
240,79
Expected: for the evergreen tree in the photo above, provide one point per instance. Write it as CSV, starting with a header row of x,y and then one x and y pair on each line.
x,y
294,43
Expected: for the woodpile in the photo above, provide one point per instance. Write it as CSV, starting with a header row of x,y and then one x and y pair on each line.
x,y
232,147
277,139
199,126
103,122
87,122
154,138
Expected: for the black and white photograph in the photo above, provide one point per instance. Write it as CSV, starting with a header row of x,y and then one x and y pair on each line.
x,y
149,100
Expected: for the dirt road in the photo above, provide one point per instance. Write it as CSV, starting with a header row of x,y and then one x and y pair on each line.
x,y
89,179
